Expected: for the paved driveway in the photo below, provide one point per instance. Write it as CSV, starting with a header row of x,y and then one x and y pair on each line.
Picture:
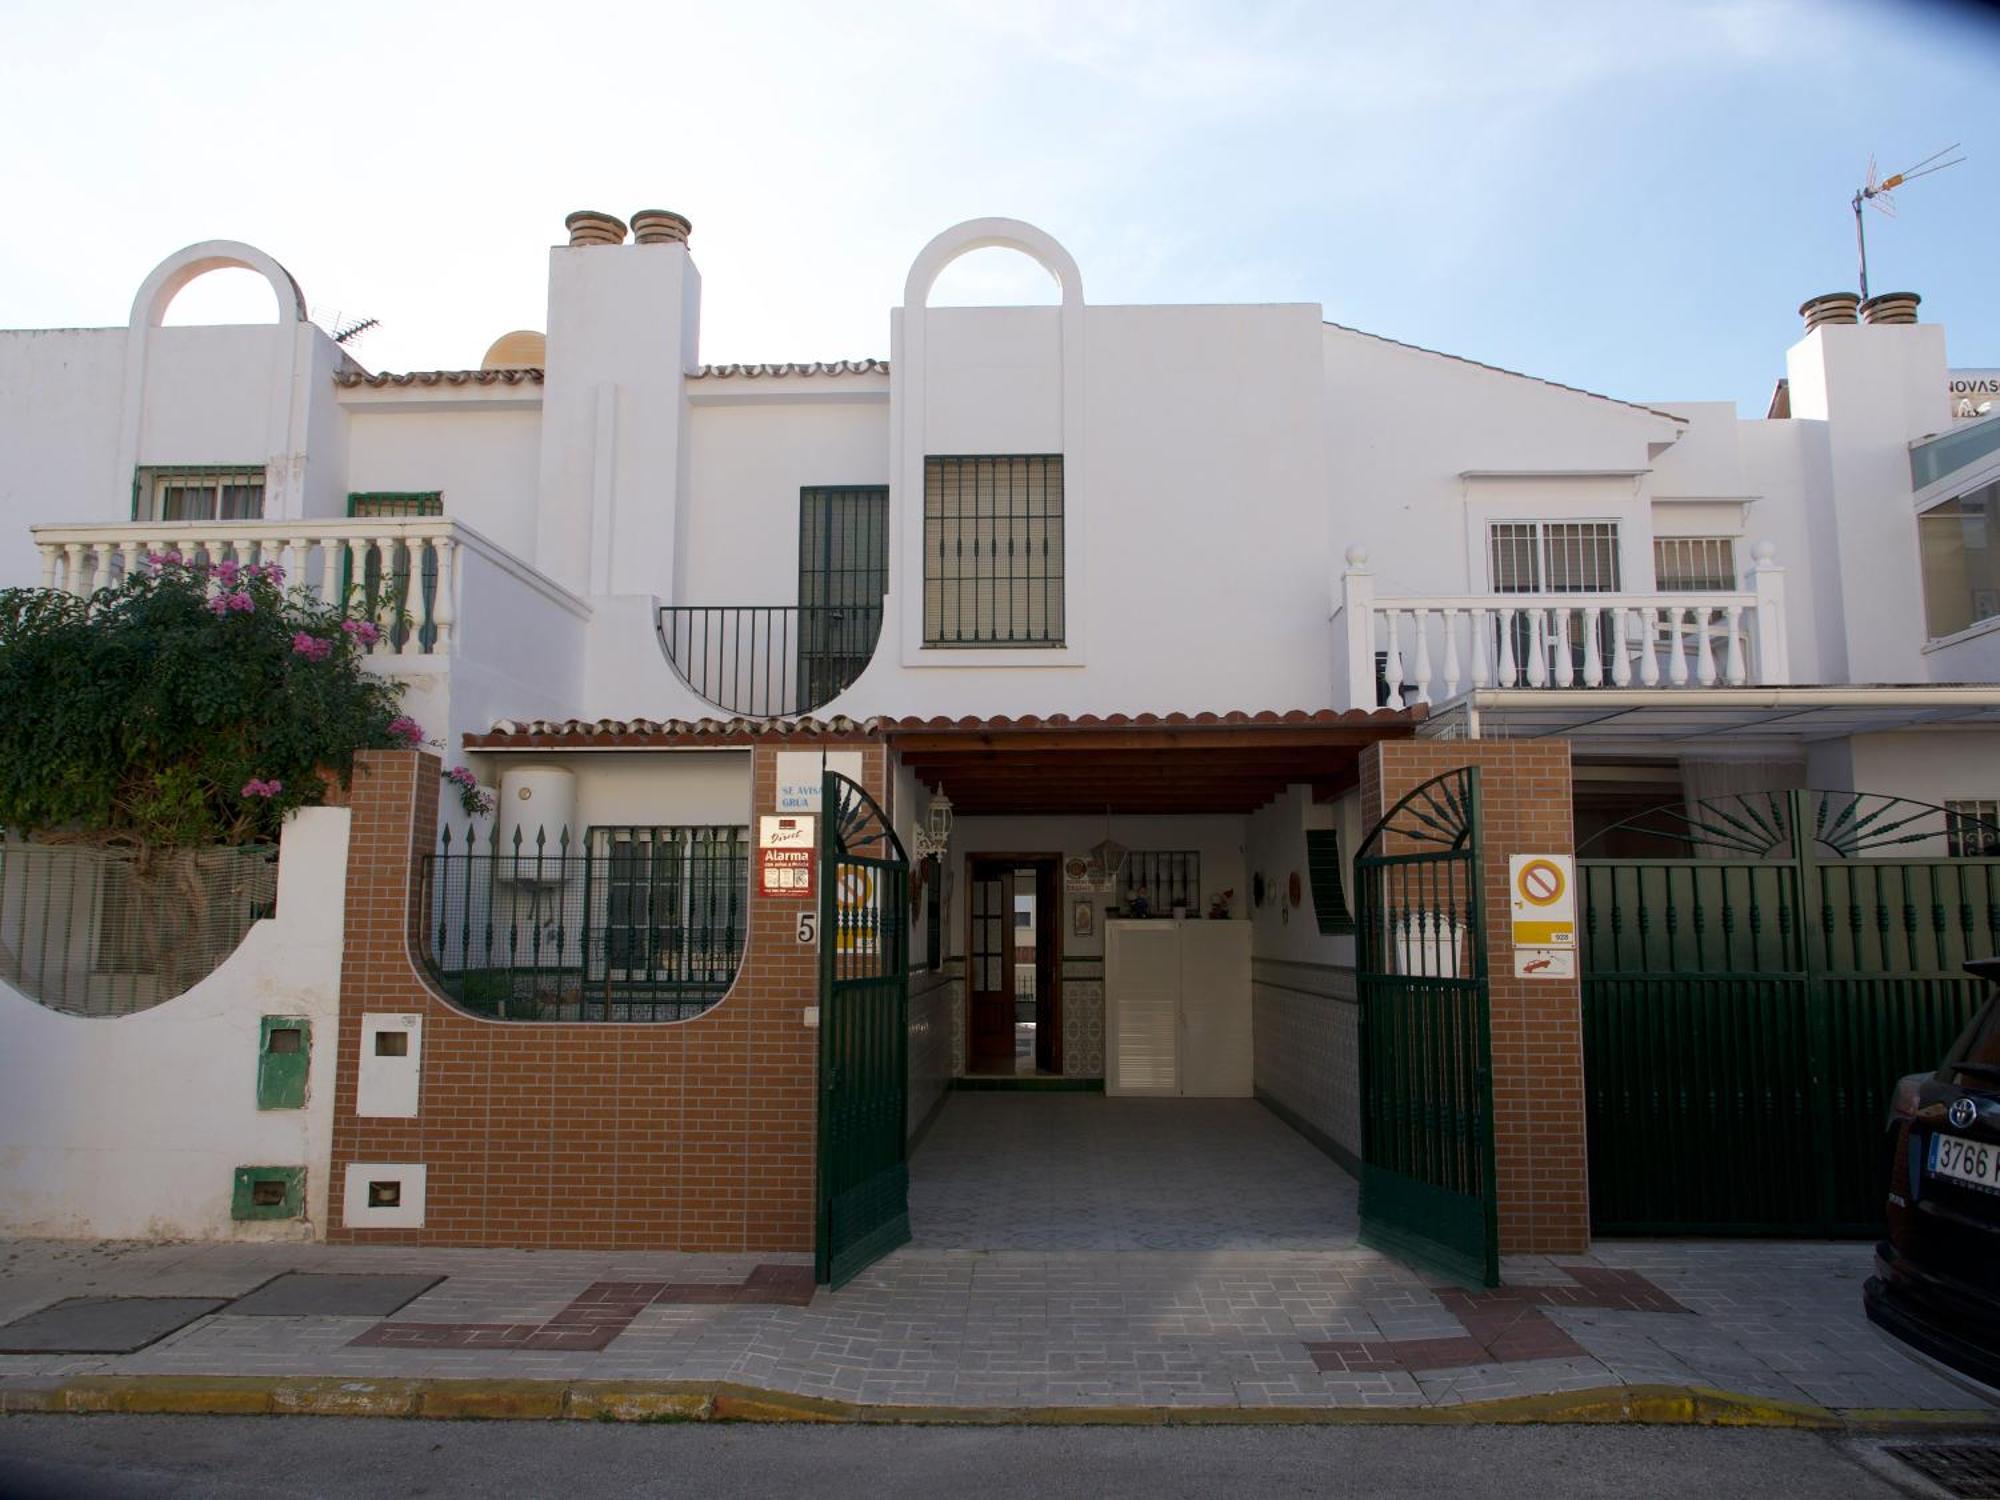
x,y
1042,1171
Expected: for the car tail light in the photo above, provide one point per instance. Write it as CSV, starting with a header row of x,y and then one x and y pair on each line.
x,y
1903,1103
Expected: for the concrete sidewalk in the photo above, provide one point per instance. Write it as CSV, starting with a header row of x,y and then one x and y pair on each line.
x,y
950,1331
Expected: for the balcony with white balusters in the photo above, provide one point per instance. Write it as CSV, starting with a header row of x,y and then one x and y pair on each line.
x,y
421,580
1399,651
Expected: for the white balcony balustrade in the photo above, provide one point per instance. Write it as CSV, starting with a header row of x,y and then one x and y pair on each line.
x,y
1407,650
401,575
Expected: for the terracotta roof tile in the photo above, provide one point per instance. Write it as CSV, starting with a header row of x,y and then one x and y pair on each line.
x,y
812,367
634,733
519,375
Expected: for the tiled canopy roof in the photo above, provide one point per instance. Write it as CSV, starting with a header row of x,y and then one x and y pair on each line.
x,y
607,733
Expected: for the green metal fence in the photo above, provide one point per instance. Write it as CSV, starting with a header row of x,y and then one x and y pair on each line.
x,y
1748,1008
1427,1174
631,924
109,932
864,1035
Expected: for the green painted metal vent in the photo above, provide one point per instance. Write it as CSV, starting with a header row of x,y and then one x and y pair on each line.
x,y
284,1059
268,1193
1329,898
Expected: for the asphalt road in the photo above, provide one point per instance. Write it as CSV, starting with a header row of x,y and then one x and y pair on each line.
x,y
235,1458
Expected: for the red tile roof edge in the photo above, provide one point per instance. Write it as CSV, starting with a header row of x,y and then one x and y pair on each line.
x,y
539,733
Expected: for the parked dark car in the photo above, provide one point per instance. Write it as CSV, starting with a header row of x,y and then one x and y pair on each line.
x,y
1936,1286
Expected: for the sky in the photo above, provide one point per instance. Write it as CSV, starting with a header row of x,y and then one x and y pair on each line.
x,y
1631,197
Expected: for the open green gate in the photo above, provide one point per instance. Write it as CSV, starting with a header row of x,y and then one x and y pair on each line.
x,y
1427,1188
1752,994
864,990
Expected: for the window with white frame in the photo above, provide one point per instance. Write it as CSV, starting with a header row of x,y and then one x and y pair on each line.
x,y
198,492
1972,828
1554,557
1694,564
1960,556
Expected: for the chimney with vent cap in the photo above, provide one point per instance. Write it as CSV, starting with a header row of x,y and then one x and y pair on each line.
x,y
1890,307
623,322
1829,307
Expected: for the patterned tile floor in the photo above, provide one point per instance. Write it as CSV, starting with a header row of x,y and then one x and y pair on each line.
x,y
1070,1250
1001,1171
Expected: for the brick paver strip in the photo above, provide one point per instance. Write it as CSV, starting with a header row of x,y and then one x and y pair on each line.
x,y
1502,1326
598,1314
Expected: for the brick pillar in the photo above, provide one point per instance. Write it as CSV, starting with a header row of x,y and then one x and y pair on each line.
x,y
688,1135
1537,1024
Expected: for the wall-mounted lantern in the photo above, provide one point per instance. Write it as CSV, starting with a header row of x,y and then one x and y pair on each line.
x,y
933,835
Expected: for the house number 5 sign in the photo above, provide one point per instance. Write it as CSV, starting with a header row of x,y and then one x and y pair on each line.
x,y
807,930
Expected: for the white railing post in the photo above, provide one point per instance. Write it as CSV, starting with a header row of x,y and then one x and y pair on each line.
x,y
49,554
1538,647
1357,617
1565,658
1420,622
1677,661
1593,647
1508,674
1392,664
1621,655
1732,667
445,612
1452,669
1767,581
1649,647
1482,655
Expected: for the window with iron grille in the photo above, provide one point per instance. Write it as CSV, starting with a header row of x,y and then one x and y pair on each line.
x,y
394,505
1694,564
672,909
1555,557
993,551
1165,877
843,574
1972,828
198,492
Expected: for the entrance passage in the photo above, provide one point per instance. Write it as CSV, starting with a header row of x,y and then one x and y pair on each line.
x,y
1752,994
1045,1171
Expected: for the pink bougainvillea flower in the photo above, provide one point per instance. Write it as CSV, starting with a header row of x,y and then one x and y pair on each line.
x,y
362,631
219,605
270,572
311,647
227,570
406,729
266,789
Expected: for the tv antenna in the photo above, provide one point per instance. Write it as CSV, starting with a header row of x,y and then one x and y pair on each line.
x,y
1877,192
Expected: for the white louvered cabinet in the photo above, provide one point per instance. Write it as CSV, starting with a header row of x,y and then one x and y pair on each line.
x,y
1177,1009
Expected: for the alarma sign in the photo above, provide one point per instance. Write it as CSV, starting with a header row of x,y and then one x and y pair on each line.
x,y
785,856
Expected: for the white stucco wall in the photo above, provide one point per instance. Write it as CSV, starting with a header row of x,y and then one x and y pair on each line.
x,y
132,1127
485,460
656,788
59,402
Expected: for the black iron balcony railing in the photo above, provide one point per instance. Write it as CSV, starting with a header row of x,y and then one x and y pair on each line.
x,y
770,660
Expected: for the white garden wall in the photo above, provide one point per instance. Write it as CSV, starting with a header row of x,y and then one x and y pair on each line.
x,y
133,1127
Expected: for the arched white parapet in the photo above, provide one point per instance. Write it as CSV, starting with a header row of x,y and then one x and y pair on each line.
x,y
987,234
157,292
911,418
288,400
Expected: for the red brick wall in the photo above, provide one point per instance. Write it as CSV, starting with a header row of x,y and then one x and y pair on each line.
x,y
690,1135
1538,1098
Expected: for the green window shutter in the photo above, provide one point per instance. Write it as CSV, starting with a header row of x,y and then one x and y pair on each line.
x,y
1323,865
268,1193
284,1054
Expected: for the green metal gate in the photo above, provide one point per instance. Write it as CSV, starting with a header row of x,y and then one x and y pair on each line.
x,y
1751,995
1427,1184
864,989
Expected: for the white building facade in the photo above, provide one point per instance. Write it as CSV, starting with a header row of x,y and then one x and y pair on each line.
x,y
595,551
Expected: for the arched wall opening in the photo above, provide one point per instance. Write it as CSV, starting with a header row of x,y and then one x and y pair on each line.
x,y
222,295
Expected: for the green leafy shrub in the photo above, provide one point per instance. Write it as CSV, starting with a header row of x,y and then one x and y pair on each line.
x,y
190,704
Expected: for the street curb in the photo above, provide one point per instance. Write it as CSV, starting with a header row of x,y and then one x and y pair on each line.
x,y
699,1401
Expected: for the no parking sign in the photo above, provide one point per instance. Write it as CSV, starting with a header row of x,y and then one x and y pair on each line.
x,y
1542,888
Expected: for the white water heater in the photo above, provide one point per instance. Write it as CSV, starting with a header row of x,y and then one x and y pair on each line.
x,y
537,815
